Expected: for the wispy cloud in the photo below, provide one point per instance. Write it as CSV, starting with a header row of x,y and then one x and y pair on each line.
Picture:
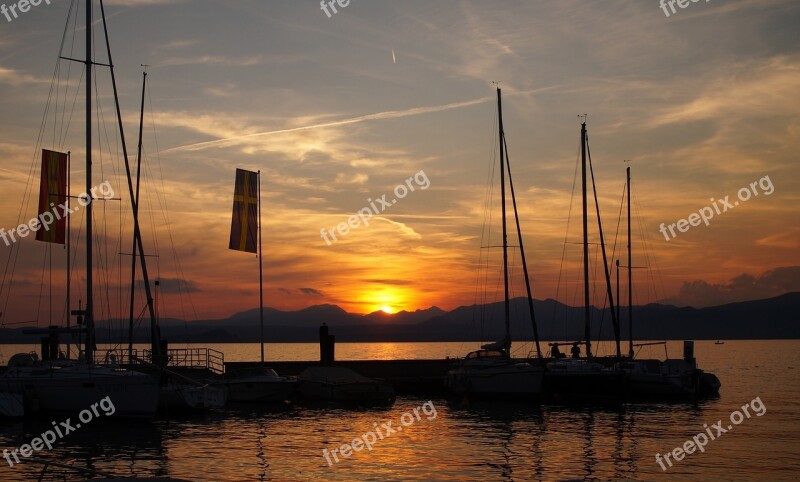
x,y
212,60
392,114
16,77
745,89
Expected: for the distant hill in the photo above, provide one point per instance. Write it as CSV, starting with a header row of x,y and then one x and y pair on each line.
x,y
773,318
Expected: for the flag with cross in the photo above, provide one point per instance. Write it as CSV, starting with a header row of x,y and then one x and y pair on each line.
x,y
244,227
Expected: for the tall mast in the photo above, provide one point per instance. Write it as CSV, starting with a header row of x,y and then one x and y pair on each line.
x,y
89,349
155,335
136,213
586,312
614,319
260,272
507,340
630,269
522,254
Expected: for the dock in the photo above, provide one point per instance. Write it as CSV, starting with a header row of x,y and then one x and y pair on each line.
x,y
408,377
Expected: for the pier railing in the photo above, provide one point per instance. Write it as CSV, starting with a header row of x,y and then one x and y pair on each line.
x,y
194,358
116,357
187,358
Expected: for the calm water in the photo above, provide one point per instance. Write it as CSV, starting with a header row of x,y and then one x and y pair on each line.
x,y
477,442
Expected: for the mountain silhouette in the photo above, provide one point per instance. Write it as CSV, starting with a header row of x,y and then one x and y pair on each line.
x,y
773,318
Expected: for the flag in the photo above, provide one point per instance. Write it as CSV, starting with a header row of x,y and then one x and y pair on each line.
x,y
244,227
52,193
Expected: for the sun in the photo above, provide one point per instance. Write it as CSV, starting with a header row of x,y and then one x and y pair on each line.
x,y
388,300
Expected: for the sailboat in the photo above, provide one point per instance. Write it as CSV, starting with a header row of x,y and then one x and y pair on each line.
x,y
178,391
54,383
586,377
491,371
259,384
652,377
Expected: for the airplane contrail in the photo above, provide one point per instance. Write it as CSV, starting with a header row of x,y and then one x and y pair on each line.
x,y
391,114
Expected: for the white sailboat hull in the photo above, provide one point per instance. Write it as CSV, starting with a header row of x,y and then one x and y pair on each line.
x,y
177,396
501,379
256,385
654,377
71,389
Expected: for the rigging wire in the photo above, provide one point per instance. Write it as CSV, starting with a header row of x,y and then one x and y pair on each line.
x,y
482,274
13,254
563,256
180,273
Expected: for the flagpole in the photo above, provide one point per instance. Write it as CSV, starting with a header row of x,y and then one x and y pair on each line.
x,y
260,272
66,241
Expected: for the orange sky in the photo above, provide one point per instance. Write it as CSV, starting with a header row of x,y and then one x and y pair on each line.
x,y
337,111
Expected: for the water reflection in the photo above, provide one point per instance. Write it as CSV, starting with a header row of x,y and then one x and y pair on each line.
x,y
476,441
497,441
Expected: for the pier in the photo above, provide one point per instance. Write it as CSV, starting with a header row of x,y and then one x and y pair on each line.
x,y
408,377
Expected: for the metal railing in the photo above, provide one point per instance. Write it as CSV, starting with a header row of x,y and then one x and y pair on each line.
x,y
194,358
116,357
191,358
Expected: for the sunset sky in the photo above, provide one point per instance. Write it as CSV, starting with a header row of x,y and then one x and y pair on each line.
x,y
336,111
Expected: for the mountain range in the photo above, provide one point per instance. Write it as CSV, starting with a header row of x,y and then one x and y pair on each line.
x,y
773,318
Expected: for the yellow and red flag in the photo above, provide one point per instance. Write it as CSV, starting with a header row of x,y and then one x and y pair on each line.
x,y
52,193
244,227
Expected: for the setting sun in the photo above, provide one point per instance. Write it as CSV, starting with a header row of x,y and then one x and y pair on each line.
x,y
388,299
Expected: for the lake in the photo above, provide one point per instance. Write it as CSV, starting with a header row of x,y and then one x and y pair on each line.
x,y
455,441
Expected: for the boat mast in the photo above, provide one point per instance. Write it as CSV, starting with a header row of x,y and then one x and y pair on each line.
x,y
155,336
89,317
614,319
618,298
522,254
67,247
136,212
260,273
630,268
586,312
507,340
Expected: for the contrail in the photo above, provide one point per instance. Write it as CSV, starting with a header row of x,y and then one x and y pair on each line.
x,y
391,114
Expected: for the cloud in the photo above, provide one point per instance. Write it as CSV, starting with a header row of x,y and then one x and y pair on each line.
x,y
227,90
741,288
783,240
311,291
302,291
752,89
173,285
140,3
15,77
394,282
213,60
392,114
